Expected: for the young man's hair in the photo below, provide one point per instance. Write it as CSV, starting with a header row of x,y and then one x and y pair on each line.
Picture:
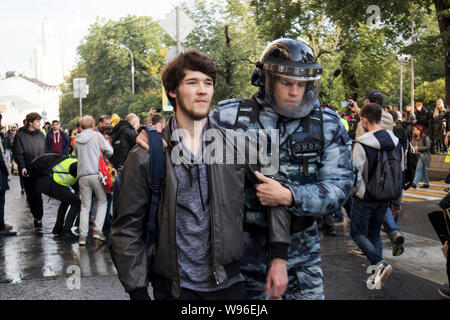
x,y
131,117
87,122
31,117
372,112
55,121
104,117
174,72
157,119
394,115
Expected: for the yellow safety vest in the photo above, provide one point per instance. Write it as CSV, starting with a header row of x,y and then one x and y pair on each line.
x,y
345,123
61,175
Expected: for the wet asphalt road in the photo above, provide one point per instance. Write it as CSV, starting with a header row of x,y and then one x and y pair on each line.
x,y
40,267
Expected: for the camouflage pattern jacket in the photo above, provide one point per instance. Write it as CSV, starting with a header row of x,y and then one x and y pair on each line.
x,y
320,180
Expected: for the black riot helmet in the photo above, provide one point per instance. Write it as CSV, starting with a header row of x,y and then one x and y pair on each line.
x,y
289,63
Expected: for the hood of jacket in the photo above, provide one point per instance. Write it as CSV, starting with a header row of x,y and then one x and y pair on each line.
x,y
85,136
379,140
119,128
32,133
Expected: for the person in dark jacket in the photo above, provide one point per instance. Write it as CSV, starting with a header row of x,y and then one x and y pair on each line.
x,y
29,143
422,117
56,140
200,216
123,139
4,228
437,126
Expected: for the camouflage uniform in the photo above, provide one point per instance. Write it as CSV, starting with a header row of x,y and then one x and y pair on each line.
x,y
321,190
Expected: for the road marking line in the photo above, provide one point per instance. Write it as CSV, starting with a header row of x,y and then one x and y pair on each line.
x,y
428,192
408,199
438,183
420,196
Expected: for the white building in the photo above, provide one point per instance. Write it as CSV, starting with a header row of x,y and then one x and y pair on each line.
x,y
20,95
46,64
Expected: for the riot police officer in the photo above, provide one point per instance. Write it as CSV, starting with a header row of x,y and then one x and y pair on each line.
x,y
315,167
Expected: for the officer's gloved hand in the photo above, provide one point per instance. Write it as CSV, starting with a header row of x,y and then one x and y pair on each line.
x,y
139,294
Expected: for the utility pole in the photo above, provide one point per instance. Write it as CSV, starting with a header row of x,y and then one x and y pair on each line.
x,y
132,61
412,63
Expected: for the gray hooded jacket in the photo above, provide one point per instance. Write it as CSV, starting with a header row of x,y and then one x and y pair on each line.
x,y
87,149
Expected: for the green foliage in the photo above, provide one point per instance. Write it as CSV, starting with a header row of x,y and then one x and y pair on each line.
x,y
234,33
227,33
108,68
429,92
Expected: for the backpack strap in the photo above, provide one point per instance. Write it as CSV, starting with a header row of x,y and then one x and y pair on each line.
x,y
156,173
248,108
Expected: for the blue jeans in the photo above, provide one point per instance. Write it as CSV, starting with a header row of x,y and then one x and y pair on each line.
x,y
366,221
347,206
421,171
389,223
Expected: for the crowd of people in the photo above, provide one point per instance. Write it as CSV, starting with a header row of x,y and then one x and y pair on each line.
x,y
64,165
231,230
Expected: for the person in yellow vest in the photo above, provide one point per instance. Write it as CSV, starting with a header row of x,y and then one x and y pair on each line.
x,y
57,181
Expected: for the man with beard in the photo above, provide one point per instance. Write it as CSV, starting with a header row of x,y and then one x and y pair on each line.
x,y
200,239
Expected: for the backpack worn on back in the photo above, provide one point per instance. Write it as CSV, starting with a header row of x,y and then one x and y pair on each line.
x,y
156,173
386,182
42,165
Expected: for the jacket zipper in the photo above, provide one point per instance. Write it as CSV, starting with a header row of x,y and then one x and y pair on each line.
x,y
176,245
216,276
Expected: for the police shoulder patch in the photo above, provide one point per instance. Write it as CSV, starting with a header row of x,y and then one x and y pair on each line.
x,y
229,102
331,113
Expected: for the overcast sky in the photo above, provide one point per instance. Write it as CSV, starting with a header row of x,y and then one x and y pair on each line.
x,y
20,21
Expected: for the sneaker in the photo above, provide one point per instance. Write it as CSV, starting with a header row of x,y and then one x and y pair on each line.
x,y
74,230
82,240
384,270
397,244
425,186
413,185
37,225
445,291
6,233
98,235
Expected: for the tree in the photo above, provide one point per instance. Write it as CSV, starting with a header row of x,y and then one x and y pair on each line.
x,y
226,31
108,72
429,92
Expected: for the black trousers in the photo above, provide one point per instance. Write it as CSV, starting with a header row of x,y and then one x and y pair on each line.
x,y
235,292
34,197
49,187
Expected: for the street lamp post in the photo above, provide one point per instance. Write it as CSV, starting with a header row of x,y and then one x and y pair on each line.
x,y
132,62
401,60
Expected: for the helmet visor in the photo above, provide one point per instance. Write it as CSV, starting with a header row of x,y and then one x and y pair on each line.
x,y
292,96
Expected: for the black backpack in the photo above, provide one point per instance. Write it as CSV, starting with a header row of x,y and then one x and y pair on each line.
x,y
42,165
156,172
386,182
